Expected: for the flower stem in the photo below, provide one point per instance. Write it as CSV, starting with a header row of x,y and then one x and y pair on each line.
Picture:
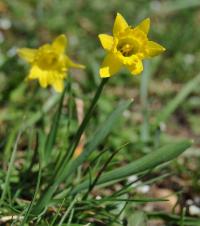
x,y
75,142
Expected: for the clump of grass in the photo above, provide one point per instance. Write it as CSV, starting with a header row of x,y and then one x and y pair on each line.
x,y
62,191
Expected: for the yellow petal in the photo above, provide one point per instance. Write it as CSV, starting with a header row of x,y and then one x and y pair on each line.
x,y
35,72
70,63
59,44
110,66
136,68
106,41
58,85
27,54
120,24
43,79
41,75
144,25
153,49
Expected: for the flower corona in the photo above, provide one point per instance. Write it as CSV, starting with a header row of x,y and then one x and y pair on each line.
x,y
49,63
127,47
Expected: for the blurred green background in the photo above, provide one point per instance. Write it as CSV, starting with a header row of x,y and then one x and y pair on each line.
x,y
174,24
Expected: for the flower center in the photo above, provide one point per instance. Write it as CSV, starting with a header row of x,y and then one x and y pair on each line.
x,y
127,47
47,59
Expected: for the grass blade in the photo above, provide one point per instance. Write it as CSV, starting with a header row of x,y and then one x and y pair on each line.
x,y
35,193
173,104
10,168
54,128
67,211
150,69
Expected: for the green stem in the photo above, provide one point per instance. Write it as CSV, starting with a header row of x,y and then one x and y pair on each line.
x,y
82,127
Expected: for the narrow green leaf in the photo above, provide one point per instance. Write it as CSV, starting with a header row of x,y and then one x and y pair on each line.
x,y
138,200
27,213
179,98
69,209
77,224
9,145
54,128
10,168
150,69
147,162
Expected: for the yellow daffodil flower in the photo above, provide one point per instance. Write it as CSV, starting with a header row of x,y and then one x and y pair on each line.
x,y
49,63
127,47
